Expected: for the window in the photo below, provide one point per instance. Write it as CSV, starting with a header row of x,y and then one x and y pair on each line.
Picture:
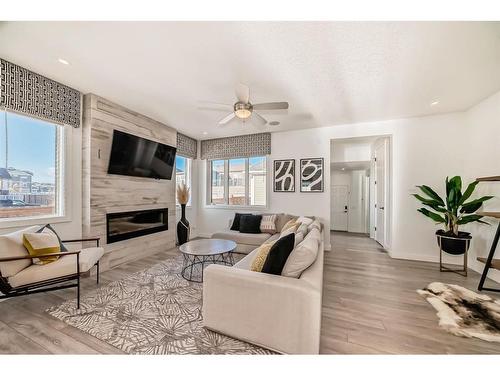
x,y
30,167
238,182
183,173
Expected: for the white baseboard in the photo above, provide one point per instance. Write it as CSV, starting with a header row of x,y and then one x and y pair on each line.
x,y
475,266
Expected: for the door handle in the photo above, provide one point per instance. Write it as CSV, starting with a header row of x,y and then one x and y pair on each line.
x,y
381,208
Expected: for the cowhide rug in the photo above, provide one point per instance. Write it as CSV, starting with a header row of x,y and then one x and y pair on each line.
x,y
463,312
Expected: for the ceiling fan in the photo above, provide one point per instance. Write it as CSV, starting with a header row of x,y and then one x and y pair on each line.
x,y
243,109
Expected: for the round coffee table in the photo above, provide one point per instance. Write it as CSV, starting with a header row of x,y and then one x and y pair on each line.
x,y
198,253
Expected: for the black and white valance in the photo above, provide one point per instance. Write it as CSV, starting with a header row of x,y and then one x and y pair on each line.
x,y
236,147
24,91
187,146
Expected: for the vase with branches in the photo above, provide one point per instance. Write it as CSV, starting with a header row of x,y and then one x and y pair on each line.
x,y
183,229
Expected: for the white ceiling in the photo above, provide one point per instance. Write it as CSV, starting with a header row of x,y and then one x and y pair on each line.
x,y
330,72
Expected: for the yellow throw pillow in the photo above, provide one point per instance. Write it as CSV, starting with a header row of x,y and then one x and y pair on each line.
x,y
260,258
41,244
289,224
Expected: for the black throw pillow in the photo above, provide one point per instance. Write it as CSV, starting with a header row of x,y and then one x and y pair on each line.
x,y
278,255
49,227
236,221
250,223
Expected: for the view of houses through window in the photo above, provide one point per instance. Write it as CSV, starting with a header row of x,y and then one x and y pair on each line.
x,y
28,166
183,173
238,182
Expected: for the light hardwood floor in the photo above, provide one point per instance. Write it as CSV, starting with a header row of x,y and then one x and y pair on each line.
x,y
369,306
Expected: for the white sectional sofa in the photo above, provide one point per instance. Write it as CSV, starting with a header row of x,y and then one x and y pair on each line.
x,y
273,311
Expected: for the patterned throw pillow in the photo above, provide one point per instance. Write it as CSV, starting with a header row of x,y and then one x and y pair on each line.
x,y
289,230
260,258
268,224
289,224
41,244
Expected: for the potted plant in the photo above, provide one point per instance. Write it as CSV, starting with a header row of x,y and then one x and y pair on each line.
x,y
453,211
183,229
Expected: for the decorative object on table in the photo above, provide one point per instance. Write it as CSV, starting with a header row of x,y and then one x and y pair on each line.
x,y
463,312
489,262
284,176
311,175
183,229
199,253
154,311
453,211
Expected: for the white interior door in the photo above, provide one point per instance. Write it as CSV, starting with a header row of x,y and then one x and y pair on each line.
x,y
380,158
340,203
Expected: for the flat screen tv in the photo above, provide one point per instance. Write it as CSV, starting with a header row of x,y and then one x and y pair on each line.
x,y
140,157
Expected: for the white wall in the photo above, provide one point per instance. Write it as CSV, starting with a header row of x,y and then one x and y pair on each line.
x,y
482,147
350,151
422,153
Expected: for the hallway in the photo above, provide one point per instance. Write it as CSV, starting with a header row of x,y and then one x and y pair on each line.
x,y
370,304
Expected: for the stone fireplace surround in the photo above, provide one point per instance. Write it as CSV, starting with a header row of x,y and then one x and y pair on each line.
x,y
108,194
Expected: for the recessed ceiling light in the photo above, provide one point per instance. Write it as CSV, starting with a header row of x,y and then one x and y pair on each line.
x,y
436,102
62,61
205,133
274,123
343,168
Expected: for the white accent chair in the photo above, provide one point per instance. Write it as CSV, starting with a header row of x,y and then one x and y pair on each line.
x,y
19,276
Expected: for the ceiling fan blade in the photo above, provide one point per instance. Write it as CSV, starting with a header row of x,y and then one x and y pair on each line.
x,y
258,119
272,105
242,93
226,119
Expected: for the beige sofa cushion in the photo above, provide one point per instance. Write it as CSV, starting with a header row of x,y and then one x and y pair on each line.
x,y
11,245
256,239
281,220
304,254
64,266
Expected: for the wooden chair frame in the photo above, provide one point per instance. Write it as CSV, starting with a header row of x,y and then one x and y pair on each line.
x,y
50,284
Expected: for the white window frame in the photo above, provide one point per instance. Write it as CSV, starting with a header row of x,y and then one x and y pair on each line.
x,y
226,204
189,179
63,179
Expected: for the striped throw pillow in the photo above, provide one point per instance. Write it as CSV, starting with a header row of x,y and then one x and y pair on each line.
x,y
268,224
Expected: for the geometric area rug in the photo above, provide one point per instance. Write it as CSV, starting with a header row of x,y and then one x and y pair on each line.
x,y
463,312
154,311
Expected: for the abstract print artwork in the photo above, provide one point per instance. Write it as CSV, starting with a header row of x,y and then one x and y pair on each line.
x,y
311,175
284,175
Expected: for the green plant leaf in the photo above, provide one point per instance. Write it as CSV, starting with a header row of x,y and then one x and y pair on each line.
x,y
470,208
434,216
483,222
468,192
431,193
478,200
469,219
431,203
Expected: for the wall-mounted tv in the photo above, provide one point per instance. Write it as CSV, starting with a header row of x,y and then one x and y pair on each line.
x,y
140,157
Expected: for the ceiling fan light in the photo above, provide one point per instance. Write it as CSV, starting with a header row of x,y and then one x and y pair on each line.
x,y
243,113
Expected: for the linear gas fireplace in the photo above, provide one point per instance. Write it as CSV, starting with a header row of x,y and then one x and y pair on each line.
x,y
125,225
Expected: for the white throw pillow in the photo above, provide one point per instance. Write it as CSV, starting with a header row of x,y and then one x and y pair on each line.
x,y
299,237
302,229
11,245
304,220
314,224
301,258
268,224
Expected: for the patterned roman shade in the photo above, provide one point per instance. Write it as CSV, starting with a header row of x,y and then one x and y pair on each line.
x,y
236,147
187,146
24,91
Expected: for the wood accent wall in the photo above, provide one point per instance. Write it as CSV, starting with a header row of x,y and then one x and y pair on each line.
x,y
104,193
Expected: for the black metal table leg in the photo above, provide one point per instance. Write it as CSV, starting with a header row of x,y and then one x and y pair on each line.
x,y
488,261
